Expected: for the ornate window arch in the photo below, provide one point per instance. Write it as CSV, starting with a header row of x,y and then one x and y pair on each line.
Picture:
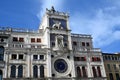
x,y
94,72
1,53
84,71
20,71
99,71
42,71
78,72
35,71
13,71
1,74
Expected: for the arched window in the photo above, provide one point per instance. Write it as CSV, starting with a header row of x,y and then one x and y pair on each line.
x,y
35,71
94,71
117,76
1,53
84,71
13,71
78,72
20,71
1,74
111,76
99,71
42,71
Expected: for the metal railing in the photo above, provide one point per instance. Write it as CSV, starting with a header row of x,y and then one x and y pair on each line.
x,y
81,35
87,50
9,29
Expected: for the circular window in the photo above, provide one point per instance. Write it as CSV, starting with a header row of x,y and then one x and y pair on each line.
x,y
60,65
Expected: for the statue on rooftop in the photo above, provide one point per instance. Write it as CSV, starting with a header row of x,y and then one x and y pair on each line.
x,y
51,10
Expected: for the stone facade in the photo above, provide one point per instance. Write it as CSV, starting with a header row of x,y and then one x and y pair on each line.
x,y
52,52
112,65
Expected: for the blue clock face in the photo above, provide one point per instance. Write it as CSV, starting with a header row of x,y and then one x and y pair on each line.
x,y
60,65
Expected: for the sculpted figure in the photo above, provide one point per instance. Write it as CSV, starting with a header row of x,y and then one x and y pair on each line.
x,y
57,25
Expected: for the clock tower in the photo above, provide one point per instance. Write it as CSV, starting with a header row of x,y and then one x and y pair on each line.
x,y
57,38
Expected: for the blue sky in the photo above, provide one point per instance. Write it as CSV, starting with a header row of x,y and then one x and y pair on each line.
x,y
100,18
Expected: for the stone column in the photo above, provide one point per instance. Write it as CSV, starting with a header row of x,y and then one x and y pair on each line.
x,y
48,64
17,71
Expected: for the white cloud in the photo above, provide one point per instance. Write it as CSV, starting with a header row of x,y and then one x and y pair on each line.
x,y
47,4
115,2
101,26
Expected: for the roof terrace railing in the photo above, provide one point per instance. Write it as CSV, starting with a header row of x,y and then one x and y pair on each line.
x,y
81,35
8,29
